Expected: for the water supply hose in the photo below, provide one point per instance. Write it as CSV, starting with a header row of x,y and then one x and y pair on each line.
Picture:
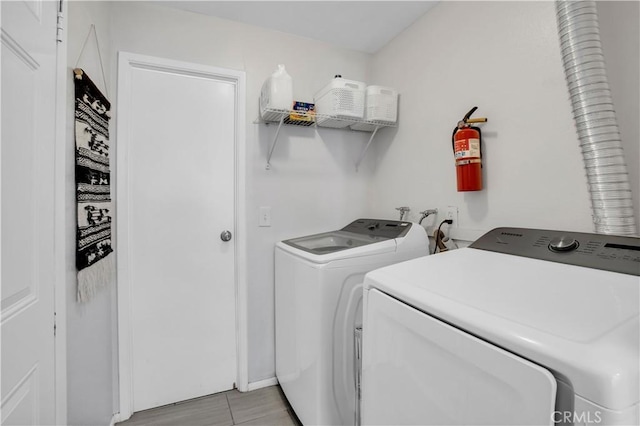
x,y
595,118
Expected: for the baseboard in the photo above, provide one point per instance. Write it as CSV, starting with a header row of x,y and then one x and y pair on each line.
x,y
250,387
116,419
262,384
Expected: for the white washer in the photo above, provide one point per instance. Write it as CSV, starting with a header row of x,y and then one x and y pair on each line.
x,y
318,282
523,327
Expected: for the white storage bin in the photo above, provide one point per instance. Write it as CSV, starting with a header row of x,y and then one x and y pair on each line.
x,y
381,104
340,99
276,96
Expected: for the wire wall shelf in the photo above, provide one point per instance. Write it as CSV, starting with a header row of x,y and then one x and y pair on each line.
x,y
302,119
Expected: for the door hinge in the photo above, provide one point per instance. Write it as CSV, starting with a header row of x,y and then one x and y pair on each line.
x,y
55,325
59,26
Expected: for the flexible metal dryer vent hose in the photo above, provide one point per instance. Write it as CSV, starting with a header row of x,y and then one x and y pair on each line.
x,y
585,72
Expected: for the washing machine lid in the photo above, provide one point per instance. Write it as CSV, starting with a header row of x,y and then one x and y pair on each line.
x,y
331,242
336,245
581,323
362,237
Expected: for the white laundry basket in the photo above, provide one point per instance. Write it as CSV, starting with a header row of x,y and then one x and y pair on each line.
x,y
339,100
381,105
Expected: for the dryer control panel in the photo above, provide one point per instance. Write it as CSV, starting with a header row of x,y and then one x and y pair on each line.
x,y
597,251
379,227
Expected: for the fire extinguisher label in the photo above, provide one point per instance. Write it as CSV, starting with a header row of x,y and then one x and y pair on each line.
x,y
467,148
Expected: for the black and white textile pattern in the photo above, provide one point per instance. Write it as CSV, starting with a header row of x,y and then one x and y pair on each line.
x,y
96,268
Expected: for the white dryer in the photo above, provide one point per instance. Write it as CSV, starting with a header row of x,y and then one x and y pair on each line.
x,y
318,281
523,327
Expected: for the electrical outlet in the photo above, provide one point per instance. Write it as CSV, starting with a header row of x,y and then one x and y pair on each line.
x,y
452,213
265,216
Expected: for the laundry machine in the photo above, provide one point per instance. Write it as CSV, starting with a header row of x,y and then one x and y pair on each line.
x,y
524,326
318,301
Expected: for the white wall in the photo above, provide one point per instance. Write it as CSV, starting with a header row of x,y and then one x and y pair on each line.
x,y
313,185
503,57
91,338
620,34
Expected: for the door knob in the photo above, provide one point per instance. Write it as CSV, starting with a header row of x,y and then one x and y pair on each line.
x,y
225,236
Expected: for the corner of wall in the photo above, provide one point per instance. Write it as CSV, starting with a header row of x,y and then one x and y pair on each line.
x,y
91,346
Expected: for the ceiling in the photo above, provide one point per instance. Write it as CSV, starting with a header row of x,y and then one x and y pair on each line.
x,y
365,26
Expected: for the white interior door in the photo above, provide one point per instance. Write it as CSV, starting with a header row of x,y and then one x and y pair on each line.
x,y
179,139
28,135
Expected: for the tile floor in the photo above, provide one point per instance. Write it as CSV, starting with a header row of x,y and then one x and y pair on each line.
x,y
265,407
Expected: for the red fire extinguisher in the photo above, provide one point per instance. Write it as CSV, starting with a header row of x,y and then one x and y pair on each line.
x,y
467,150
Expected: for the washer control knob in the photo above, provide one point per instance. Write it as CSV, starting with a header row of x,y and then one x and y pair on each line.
x,y
563,244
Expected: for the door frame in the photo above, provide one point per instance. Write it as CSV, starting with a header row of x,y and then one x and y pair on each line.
x,y
63,76
126,62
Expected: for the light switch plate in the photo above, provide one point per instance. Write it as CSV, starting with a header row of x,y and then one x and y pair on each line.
x,y
265,216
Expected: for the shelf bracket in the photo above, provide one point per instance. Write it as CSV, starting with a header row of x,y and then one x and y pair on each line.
x,y
273,144
364,151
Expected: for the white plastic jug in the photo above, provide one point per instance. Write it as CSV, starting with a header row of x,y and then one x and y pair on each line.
x,y
277,91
